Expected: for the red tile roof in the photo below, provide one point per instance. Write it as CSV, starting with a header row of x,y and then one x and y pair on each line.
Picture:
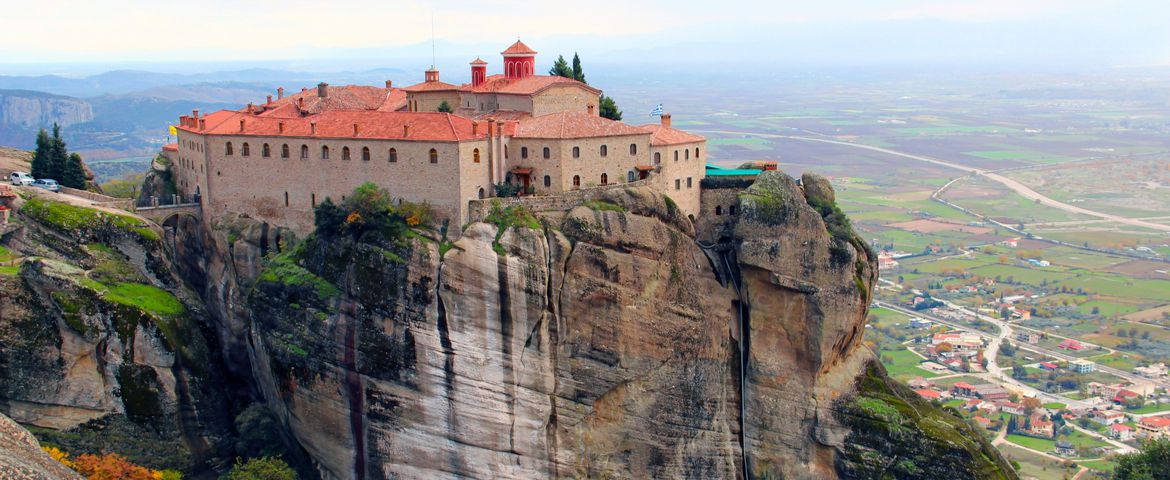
x,y
372,124
435,86
519,48
343,97
172,147
1119,427
963,386
1156,422
530,85
928,393
573,125
669,136
478,61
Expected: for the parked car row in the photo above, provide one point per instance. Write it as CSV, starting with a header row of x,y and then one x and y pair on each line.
x,y
23,178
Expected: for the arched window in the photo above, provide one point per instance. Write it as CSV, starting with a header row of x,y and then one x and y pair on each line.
x,y
576,182
393,155
265,151
475,155
366,153
633,149
576,152
284,151
604,179
547,153
228,148
547,181
630,176
481,193
604,150
304,152
696,153
244,149
657,158
718,210
345,153
687,155
523,152
434,156
676,155
324,153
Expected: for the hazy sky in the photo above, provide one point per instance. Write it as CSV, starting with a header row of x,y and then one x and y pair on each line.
x,y
1097,32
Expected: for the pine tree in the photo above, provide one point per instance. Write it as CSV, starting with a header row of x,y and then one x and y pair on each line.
x,y
608,108
40,161
445,107
74,174
58,155
578,74
561,68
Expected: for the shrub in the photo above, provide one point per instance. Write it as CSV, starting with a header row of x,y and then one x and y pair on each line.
x,y
370,210
265,468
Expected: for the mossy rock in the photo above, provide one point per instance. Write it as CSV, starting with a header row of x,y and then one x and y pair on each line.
x,y
896,434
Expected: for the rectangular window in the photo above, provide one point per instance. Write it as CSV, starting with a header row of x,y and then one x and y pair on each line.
x,y
688,182
677,184
286,199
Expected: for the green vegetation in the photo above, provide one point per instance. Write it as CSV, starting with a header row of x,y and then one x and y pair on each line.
x,y
53,160
283,269
1039,444
128,186
604,206
369,211
903,364
70,218
266,468
445,107
511,216
1149,464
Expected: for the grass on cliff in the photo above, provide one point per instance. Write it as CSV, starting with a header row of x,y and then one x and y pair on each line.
x,y
283,269
148,298
66,217
506,217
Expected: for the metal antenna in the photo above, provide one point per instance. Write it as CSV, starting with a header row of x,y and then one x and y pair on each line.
x,y
432,40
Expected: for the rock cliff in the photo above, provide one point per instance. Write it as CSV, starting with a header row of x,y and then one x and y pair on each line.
x,y
605,342
31,110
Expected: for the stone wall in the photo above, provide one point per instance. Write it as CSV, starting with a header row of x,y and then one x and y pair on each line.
x,y
477,210
566,98
718,212
99,199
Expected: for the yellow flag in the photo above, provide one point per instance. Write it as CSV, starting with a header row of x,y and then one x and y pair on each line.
x,y
173,130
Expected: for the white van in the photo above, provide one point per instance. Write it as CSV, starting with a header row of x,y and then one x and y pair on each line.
x,y
21,178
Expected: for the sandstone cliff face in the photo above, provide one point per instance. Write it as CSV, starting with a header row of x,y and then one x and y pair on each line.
x,y
21,457
606,344
100,340
31,110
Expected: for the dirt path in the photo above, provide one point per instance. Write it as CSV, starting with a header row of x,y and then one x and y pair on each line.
x,y
1016,186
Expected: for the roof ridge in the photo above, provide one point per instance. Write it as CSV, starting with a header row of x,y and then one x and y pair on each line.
x,y
452,125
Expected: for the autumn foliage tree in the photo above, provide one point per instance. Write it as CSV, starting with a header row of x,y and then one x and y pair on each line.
x,y
110,466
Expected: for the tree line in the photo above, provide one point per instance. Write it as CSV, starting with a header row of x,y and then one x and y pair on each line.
x,y
53,160
606,106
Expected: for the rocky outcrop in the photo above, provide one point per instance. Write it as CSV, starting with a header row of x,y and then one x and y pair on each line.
x,y
31,110
21,457
606,344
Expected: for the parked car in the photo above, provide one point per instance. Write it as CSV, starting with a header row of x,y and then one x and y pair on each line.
x,y
47,184
21,178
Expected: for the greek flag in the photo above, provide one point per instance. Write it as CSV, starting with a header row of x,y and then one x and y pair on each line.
x,y
657,112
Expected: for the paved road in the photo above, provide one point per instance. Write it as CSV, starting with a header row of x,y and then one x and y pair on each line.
x,y
1018,187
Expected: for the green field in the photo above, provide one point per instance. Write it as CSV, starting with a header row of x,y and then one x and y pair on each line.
x,y
903,364
1161,407
1039,444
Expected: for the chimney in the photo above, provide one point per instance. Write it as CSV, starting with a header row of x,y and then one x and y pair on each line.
x,y
280,127
312,128
301,103
474,128
432,75
195,113
183,121
280,93
591,109
500,129
389,84
269,100
251,108
406,130
304,89
241,124
355,129
666,120
203,124
322,89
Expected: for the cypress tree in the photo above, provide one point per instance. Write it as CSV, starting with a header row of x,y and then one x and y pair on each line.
x,y
58,155
74,174
608,108
40,161
578,74
445,107
561,68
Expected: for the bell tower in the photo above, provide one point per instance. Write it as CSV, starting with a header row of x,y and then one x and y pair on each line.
x,y
478,71
519,61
